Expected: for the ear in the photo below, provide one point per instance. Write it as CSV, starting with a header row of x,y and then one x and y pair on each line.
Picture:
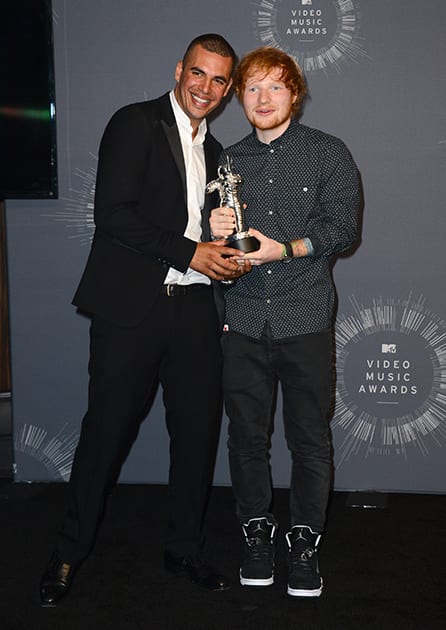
x,y
228,87
178,70
295,95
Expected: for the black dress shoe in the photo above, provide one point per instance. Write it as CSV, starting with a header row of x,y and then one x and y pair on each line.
x,y
56,581
198,572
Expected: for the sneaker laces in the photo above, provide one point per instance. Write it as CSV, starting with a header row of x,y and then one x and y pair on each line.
x,y
302,557
302,551
260,547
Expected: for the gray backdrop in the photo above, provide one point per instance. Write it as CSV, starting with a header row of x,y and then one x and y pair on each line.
x,y
376,75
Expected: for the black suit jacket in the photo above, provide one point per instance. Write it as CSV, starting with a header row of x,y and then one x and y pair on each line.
x,y
140,212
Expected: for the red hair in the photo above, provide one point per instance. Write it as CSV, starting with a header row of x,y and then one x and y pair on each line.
x,y
265,60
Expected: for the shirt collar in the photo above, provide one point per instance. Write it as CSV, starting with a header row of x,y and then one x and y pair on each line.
x,y
183,122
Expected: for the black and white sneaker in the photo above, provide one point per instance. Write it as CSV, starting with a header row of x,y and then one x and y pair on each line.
x,y
258,555
303,578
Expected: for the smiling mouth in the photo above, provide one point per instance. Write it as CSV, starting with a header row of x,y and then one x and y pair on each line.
x,y
201,102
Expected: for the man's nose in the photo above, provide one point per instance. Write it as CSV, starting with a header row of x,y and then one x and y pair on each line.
x,y
205,85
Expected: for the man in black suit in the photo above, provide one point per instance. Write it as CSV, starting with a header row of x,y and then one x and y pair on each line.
x,y
147,287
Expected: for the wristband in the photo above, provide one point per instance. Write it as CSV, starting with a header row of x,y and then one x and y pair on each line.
x,y
287,252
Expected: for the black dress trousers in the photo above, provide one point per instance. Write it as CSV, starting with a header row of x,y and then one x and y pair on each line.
x,y
178,345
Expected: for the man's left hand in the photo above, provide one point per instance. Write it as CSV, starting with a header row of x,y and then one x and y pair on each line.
x,y
270,250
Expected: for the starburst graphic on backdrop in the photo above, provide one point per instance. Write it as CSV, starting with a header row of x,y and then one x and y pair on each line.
x,y
54,452
78,214
319,34
391,379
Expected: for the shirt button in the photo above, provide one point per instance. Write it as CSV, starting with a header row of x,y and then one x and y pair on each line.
x,y
305,189
270,212
269,271
271,150
270,181
268,301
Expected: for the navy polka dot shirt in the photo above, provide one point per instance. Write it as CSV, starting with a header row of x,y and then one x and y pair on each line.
x,y
303,184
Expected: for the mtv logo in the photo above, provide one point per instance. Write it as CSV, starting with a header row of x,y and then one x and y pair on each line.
x,y
307,2
388,348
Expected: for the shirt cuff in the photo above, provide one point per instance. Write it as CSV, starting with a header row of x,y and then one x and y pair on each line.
x,y
309,246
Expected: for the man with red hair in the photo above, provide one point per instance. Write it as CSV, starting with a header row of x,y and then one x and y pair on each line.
x,y
302,194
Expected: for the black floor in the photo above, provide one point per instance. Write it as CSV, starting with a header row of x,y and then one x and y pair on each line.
x,y
383,568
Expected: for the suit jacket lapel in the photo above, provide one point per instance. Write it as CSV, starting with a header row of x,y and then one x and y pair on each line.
x,y
170,128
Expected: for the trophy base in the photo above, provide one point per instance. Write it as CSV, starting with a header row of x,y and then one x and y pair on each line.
x,y
243,242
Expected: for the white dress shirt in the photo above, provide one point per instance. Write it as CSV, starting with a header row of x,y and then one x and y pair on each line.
x,y
193,153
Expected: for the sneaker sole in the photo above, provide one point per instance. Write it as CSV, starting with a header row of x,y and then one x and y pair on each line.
x,y
256,581
300,592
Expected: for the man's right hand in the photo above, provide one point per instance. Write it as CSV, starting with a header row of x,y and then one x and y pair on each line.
x,y
219,262
222,222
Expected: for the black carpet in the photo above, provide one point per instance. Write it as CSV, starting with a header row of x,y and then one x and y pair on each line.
x,y
383,568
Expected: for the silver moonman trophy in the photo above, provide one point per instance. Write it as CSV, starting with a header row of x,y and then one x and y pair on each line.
x,y
227,184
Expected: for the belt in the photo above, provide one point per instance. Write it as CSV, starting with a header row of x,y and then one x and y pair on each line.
x,y
174,290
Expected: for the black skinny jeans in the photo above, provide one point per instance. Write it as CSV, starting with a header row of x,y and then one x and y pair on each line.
x,y
252,369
